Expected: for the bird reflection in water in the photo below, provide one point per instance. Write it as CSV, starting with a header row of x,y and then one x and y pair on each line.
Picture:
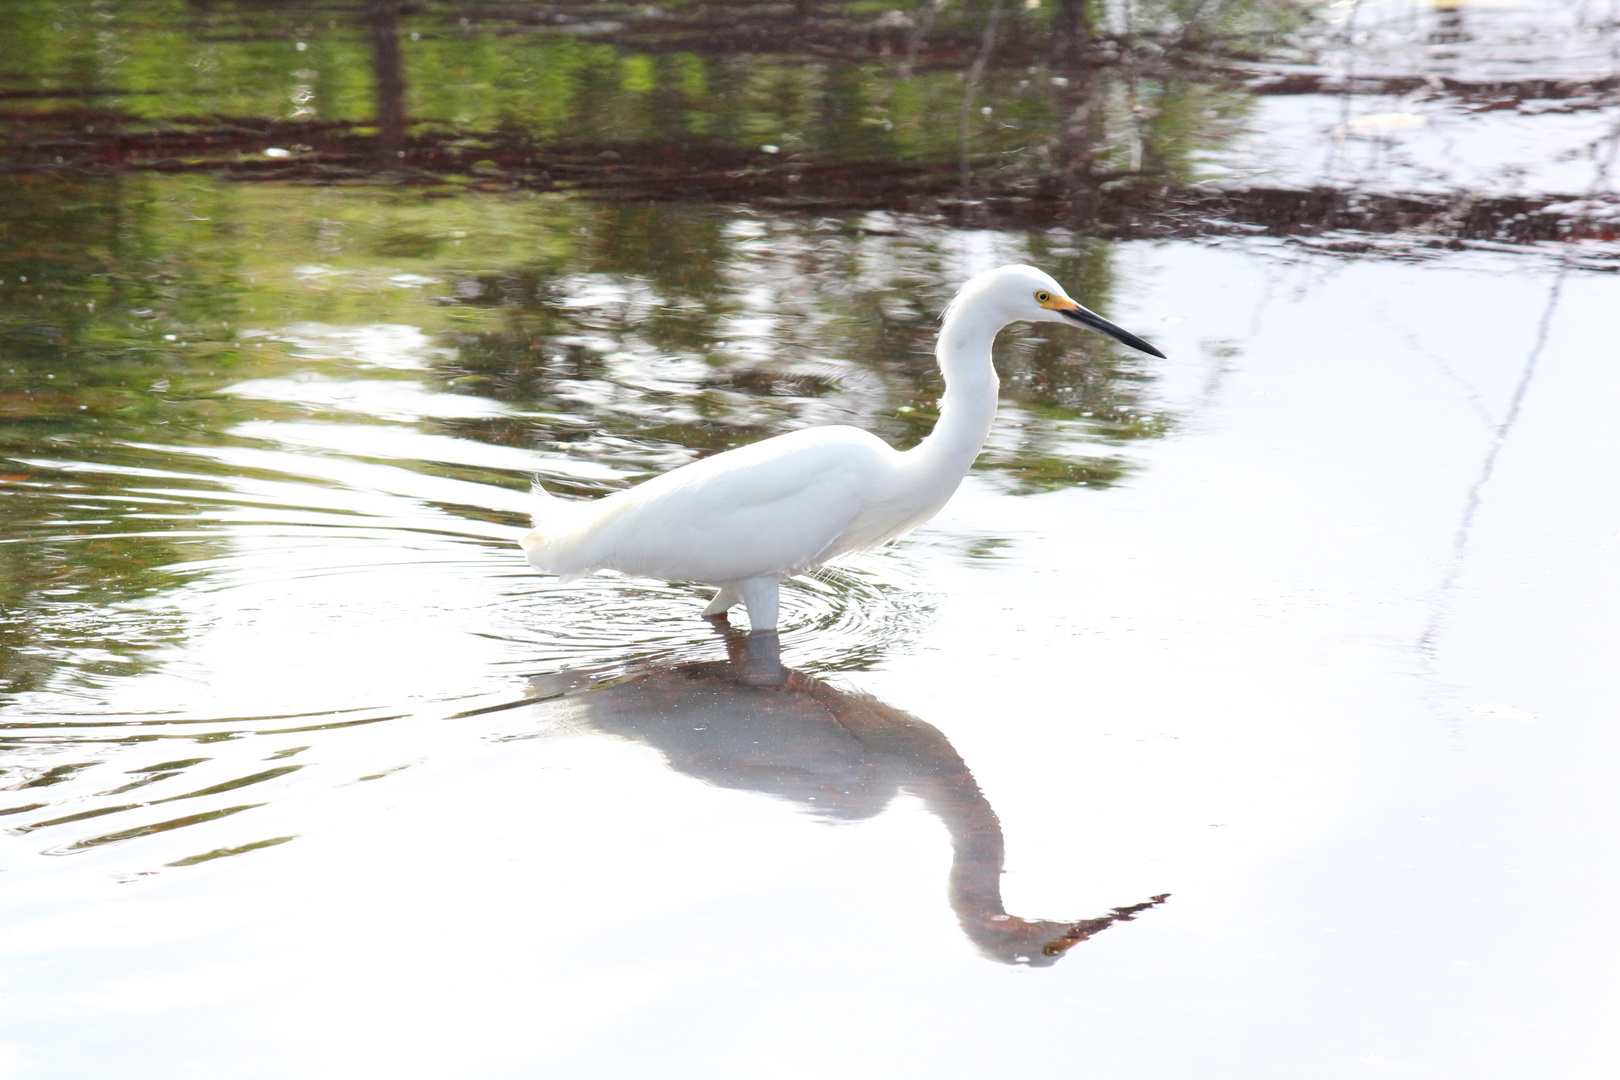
x,y
749,723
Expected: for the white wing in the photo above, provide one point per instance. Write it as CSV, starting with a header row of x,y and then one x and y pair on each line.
x,y
775,507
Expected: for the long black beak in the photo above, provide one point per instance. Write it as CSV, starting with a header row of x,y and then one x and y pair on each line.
x,y
1103,326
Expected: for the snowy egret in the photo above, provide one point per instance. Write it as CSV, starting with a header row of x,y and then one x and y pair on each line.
x,y
748,518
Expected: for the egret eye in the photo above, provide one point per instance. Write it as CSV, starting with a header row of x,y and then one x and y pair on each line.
x,y
1042,296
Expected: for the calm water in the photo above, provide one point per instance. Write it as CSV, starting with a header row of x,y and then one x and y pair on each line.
x,y
286,753
1247,715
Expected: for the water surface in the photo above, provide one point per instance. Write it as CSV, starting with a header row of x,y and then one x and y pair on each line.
x,y
1246,715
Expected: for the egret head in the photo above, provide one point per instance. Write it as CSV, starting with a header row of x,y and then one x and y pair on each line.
x,y
1023,293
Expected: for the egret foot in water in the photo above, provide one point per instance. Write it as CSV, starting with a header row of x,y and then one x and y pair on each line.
x,y
759,595
722,603
748,518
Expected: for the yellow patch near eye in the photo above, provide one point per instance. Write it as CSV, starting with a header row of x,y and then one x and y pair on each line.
x,y
1054,303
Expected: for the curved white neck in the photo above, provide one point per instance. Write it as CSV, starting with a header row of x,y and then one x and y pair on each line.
x,y
968,407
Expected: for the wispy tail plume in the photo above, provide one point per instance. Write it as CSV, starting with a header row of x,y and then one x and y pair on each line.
x,y
542,513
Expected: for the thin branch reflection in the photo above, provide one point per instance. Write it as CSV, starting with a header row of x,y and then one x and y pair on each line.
x,y
749,723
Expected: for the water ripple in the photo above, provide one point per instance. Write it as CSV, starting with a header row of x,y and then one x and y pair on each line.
x,y
842,618
255,601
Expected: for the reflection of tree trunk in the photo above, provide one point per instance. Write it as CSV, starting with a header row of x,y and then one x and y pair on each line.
x,y
1073,30
382,19
924,22
970,84
1073,158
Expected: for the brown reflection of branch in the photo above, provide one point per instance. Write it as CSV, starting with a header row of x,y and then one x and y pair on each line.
x,y
749,723
388,69
659,172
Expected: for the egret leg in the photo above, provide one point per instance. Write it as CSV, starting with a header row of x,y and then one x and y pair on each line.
x,y
723,600
760,594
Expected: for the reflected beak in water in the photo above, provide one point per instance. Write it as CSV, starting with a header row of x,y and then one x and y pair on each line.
x,y
1085,317
1075,935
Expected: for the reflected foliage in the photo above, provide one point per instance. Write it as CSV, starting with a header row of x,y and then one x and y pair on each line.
x,y
95,294
680,101
712,332
628,337
1111,117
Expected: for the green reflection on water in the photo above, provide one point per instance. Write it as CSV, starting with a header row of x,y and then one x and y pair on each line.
x,y
832,86
143,315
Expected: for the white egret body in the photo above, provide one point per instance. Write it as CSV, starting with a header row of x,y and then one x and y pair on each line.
x,y
750,517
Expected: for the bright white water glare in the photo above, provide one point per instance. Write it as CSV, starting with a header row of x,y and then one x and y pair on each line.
x,y
1328,659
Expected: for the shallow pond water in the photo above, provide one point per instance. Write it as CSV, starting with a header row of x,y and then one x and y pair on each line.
x,y
1305,627
1247,714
